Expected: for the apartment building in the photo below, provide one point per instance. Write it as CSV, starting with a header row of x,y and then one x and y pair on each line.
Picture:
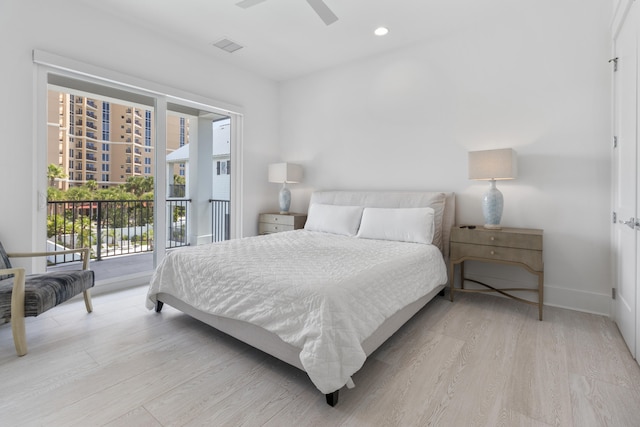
x,y
106,142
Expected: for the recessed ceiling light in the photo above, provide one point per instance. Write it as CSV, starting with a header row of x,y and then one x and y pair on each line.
x,y
381,31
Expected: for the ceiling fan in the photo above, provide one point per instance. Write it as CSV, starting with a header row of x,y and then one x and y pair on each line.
x,y
318,6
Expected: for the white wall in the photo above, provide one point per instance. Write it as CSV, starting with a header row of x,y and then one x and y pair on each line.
x,y
535,78
76,30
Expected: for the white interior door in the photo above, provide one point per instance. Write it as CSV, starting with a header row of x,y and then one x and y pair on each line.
x,y
626,179
636,24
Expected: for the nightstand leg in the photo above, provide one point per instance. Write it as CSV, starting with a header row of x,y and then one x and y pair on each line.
x,y
452,277
540,294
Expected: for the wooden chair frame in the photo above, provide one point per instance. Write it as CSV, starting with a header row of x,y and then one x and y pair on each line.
x,y
18,293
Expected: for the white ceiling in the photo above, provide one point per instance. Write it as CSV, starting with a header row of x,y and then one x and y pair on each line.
x,y
284,39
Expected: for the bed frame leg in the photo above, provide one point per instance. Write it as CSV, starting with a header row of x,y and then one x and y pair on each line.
x,y
332,398
159,305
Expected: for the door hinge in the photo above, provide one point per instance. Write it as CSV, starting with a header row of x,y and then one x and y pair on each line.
x,y
615,63
613,293
614,218
615,142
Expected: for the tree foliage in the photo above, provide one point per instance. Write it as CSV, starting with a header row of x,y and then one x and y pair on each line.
x,y
126,205
139,185
55,172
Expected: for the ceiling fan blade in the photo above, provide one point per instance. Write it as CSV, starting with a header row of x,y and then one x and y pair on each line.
x,y
323,11
248,3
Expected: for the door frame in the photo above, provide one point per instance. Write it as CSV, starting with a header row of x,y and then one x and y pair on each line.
x,y
623,16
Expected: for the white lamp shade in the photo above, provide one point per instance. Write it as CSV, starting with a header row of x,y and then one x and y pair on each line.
x,y
493,164
285,172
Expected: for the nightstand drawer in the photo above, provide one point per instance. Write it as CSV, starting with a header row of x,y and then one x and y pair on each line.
x,y
532,258
511,238
278,219
267,228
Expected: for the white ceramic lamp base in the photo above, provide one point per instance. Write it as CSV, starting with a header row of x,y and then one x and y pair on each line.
x,y
492,205
284,198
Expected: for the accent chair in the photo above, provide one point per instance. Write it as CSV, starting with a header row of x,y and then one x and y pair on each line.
x,y
31,295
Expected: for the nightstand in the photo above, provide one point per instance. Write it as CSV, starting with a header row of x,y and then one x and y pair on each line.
x,y
515,246
275,222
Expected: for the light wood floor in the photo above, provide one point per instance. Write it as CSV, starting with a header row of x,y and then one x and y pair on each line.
x,y
481,360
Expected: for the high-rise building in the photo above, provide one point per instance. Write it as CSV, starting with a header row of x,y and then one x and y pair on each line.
x,y
93,139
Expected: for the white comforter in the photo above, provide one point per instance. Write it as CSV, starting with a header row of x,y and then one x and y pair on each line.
x,y
320,292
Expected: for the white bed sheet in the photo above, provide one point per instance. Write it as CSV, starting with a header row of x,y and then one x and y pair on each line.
x,y
327,296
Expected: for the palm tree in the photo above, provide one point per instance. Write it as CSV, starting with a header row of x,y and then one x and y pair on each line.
x,y
91,185
139,185
55,172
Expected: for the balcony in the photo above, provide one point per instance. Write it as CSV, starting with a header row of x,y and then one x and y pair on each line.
x,y
121,227
91,146
176,191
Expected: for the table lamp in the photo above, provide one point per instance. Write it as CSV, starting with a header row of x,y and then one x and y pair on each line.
x,y
493,165
285,173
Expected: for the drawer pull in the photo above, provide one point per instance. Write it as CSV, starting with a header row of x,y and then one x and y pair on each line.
x,y
493,238
493,252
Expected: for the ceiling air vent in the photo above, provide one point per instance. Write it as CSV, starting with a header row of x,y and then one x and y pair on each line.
x,y
227,45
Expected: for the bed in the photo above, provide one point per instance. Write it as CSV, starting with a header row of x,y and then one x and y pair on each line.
x,y
324,298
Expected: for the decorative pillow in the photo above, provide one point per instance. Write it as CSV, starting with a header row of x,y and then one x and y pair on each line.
x,y
334,219
403,224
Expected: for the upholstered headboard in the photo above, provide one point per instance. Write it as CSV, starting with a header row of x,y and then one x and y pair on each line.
x,y
399,199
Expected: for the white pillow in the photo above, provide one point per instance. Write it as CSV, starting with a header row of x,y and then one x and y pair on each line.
x,y
402,224
334,219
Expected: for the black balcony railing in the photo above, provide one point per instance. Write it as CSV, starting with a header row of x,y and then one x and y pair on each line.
x,y
123,227
108,227
178,212
220,220
176,190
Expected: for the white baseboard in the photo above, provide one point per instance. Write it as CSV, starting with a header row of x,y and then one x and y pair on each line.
x,y
120,283
572,299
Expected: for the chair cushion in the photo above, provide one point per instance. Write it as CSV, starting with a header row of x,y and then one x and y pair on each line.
x,y
44,291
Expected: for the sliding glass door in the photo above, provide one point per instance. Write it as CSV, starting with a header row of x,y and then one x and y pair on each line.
x,y
131,175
